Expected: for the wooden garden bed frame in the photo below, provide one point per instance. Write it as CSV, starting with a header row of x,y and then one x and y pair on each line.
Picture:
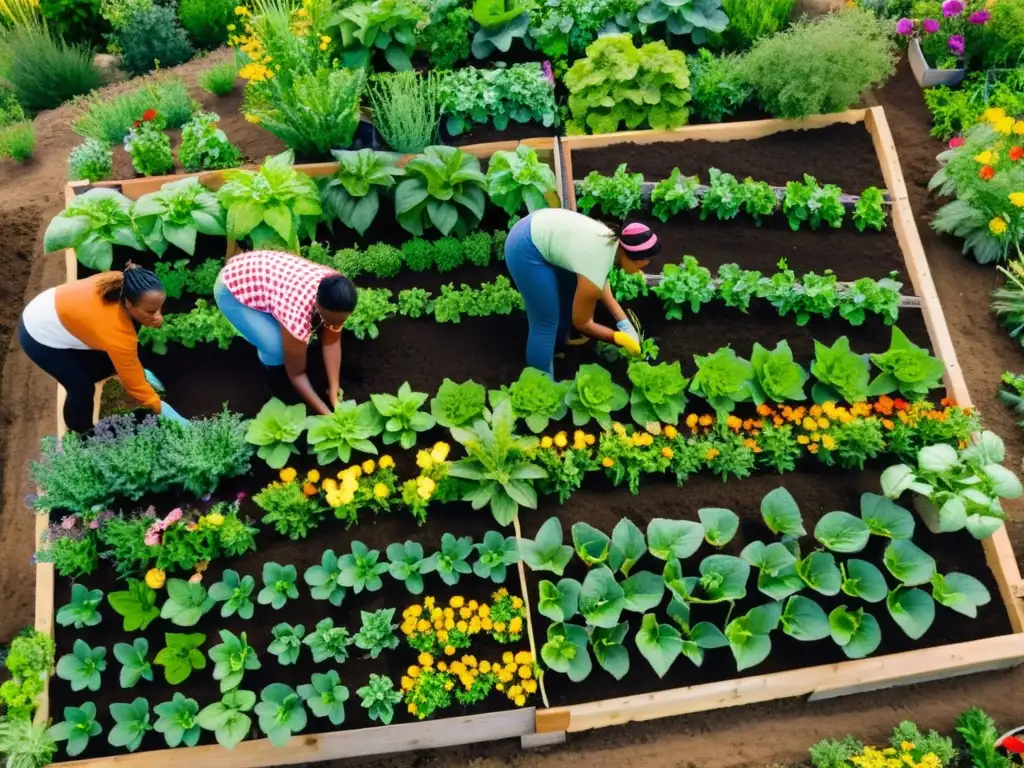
x,y
847,677
312,747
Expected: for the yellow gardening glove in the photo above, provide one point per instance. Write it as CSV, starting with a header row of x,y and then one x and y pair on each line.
x,y
627,342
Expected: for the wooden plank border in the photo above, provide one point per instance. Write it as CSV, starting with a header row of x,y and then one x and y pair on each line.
x,y
304,748
846,677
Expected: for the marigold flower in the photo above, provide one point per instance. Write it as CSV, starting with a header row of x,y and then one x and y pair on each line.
x,y
992,114
407,683
440,452
828,442
667,452
706,420
313,476
803,439
607,462
155,578
1004,125
813,447
590,439
386,462
308,489
423,625
986,173
213,519
671,432
1018,128
750,443
810,424
380,491
561,440
519,700
287,474
241,10
424,460
1017,198
546,442
530,686
507,657
997,226
712,454
449,650
691,420
887,423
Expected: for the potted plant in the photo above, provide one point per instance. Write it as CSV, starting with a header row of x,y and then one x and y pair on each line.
x,y
938,46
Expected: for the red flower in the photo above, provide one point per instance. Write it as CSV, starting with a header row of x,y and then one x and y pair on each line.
x,y
136,124
901,405
1013,744
956,142
148,115
987,172
1016,153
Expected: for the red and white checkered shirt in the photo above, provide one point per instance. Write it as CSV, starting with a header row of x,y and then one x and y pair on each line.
x,y
280,284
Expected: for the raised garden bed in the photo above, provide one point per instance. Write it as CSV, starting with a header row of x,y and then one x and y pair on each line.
x,y
490,351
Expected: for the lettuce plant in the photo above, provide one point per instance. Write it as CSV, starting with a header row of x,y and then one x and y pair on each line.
x,y
906,367
870,210
82,611
856,632
361,569
495,553
558,602
137,605
453,558
960,592
777,377
457,405
186,603
374,305
812,203
131,724
759,199
748,635
534,397
518,179
684,284
521,93
617,195
546,551
700,19
281,713
724,196
498,470
134,665
659,392
594,396
723,379
566,651
180,656
176,213
349,428
235,592
176,720
402,416
227,718
328,642
93,223
408,565
841,373
353,194
275,429
79,725
445,189
619,83
377,632
272,205
501,22
232,658
287,642
325,696
385,25
378,697
674,195
325,579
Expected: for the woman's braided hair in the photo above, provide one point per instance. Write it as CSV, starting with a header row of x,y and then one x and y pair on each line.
x,y
131,284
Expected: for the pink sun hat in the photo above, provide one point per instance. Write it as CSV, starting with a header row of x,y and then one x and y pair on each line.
x,y
638,240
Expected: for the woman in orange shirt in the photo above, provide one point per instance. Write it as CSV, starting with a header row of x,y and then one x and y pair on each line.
x,y
83,332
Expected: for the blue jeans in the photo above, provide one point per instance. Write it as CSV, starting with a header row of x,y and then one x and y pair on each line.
x,y
258,328
548,292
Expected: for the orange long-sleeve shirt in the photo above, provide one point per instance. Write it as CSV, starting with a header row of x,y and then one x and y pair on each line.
x,y
81,313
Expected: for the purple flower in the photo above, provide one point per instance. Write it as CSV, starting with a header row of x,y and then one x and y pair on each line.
x,y
547,71
931,26
240,496
980,17
904,27
952,8
956,44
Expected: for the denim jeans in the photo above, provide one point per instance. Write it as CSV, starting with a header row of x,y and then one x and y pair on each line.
x,y
258,328
548,292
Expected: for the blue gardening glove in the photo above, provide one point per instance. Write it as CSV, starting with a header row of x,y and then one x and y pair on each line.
x,y
166,412
154,382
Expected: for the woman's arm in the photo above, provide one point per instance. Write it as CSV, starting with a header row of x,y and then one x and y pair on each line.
x,y
331,342
587,296
611,304
295,354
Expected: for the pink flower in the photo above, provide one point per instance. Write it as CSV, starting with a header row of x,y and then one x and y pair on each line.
x,y
241,496
956,142
952,8
931,26
956,44
172,517
980,17
547,71
152,538
94,524
904,27
68,522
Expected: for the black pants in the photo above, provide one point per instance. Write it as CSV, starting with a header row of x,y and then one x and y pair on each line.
x,y
77,370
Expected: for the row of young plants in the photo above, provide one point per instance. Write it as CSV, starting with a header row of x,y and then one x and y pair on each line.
x,y
782,569
441,189
804,204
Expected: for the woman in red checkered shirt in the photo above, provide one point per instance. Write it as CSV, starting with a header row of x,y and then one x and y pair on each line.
x,y
277,301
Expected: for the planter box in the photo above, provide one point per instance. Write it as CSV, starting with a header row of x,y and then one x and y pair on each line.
x,y
847,677
927,76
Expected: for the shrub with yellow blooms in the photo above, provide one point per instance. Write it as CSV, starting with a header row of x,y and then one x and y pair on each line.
x,y
369,486
431,684
442,631
508,616
288,507
566,463
907,756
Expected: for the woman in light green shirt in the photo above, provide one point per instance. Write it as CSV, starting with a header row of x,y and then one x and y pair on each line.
x,y
560,261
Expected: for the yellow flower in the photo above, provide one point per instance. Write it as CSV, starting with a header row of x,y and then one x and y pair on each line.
x,y
517,602
231,27
525,672
530,686
214,519
507,657
448,649
325,39
671,432
407,683
457,602
155,578
828,442
486,624
323,47
1004,125
691,420
667,452
519,700
706,420
440,452
414,672
380,491
424,460
423,625
368,466
515,626
985,158
546,442
607,461
561,440
485,667
1018,128
386,462
1017,198
287,474
424,487
803,439
514,690
992,114
712,454
301,12
997,226
355,471
412,707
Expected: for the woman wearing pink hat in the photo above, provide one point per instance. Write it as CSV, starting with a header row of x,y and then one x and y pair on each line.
x,y
560,261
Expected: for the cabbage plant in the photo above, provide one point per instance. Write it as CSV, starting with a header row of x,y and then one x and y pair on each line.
x,y
444,188
841,374
385,25
723,379
777,377
659,392
906,367
176,213
519,179
456,405
353,194
93,223
700,19
534,397
594,396
501,22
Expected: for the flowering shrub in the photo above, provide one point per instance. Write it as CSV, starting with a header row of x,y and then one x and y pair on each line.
x,y
444,631
944,40
907,756
986,175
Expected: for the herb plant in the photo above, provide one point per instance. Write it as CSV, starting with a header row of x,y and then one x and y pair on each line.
x,y
131,724
176,720
521,93
402,416
686,284
700,19
906,367
289,510
287,643
378,697
91,160
593,395
79,725
281,713
617,195
82,611
408,564
186,603
181,656
759,199
232,658
674,195
150,149
278,585
82,667
134,665
361,570
326,696
93,223
348,428
353,194
227,718
377,632
235,592
519,179
205,147
724,196
444,188
498,470
327,642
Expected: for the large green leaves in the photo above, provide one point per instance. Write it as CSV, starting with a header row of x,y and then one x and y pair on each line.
x,y
643,591
566,651
820,572
186,603
856,632
628,546
723,379
722,578
748,634
912,609
777,377
841,373
546,552
906,367
592,546
776,564
137,605
720,525
961,592
908,562
93,223
593,395
804,619
696,639
842,532
181,655
659,392
781,513
347,428
673,538
558,602
275,429
609,650
353,194
519,179
660,644
602,599
862,579
176,213
402,416
535,397
884,517
443,188
457,405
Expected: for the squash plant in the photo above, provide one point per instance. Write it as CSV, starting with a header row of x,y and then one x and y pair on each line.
x,y
272,205
176,213
444,188
93,223
386,25
353,194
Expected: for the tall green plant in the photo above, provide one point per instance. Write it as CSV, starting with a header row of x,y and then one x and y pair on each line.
x,y
406,109
750,20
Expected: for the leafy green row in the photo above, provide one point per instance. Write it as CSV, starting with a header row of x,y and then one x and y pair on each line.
x,y
805,203
782,572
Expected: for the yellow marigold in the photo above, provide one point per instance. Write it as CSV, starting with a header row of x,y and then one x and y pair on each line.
x,y
407,683
368,466
465,613
667,452
329,485
823,424
457,601
423,459
507,657
671,432
525,672
413,610
515,626
546,442
607,461
517,602
155,578
734,422
308,489
499,687
457,667
462,627
380,491
589,439
813,447
530,686
519,700
828,442
428,603
691,420
523,657
214,519
486,624
413,672
425,660
712,454
449,624
442,667
1004,125
992,114
448,649
618,429
440,452
985,158
1017,198
423,625
561,440
386,462
803,439
514,690
499,626
706,420
287,474
505,676
325,39
485,667
424,487
412,709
